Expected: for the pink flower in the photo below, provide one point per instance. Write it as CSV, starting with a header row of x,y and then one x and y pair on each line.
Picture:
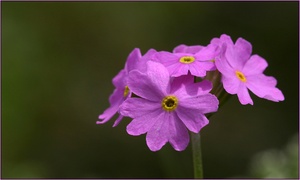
x,y
167,107
194,59
121,92
241,71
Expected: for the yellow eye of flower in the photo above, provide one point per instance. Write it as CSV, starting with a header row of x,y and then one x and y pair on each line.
x,y
187,59
241,76
126,91
169,103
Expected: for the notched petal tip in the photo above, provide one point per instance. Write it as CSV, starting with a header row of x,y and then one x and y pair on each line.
x,y
155,147
244,96
99,122
104,117
274,95
246,102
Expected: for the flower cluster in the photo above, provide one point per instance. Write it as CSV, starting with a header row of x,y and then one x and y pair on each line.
x,y
168,94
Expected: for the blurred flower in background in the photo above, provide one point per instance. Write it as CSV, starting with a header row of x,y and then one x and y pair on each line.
x,y
277,163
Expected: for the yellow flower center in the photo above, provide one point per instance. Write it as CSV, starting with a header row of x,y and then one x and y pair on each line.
x,y
126,91
187,59
213,60
241,76
169,103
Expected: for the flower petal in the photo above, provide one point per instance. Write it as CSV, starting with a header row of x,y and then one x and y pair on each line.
x,y
199,88
108,114
274,95
179,81
223,66
238,54
136,107
187,49
243,95
255,65
201,67
149,56
208,65
184,79
158,77
231,84
178,69
166,58
115,100
197,69
232,57
140,85
173,68
143,124
192,119
178,134
144,113
158,135
224,38
118,120
202,104
216,41
132,60
119,80
244,50
264,87
192,89
207,53
117,96
227,39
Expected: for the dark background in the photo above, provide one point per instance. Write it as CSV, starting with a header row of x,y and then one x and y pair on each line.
x,y
58,59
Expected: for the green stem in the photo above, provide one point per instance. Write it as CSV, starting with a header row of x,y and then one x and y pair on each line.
x,y
197,156
218,90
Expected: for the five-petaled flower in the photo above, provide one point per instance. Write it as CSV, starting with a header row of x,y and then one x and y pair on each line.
x,y
194,59
167,107
241,71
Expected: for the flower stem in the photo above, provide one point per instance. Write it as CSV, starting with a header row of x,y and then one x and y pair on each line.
x,y
197,156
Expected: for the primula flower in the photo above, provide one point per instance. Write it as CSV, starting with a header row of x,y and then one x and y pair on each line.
x,y
121,92
194,59
167,107
241,71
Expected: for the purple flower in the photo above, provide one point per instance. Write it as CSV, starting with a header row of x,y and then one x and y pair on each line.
x,y
167,107
121,92
194,59
241,71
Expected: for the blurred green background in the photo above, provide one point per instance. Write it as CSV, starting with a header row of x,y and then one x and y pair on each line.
x,y
58,59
